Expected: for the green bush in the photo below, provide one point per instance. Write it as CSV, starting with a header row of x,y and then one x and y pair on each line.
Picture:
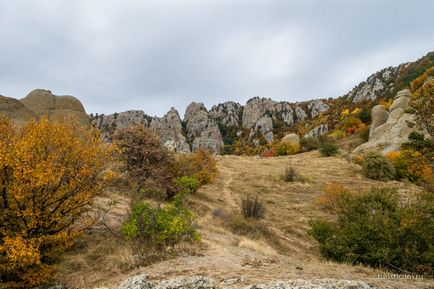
x,y
378,230
378,167
187,185
252,208
309,144
328,149
159,227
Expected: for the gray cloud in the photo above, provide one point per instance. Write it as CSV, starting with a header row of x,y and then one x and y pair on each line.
x,y
151,55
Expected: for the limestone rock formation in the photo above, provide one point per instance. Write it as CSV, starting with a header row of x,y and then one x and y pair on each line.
x,y
379,116
169,129
15,110
201,129
378,84
43,102
264,125
210,138
196,119
286,112
389,129
255,108
313,284
227,113
194,282
299,113
317,131
317,107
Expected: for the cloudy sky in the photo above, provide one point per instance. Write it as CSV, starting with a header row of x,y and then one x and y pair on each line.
x,y
152,55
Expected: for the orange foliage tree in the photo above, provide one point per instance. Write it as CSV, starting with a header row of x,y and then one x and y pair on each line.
x,y
49,175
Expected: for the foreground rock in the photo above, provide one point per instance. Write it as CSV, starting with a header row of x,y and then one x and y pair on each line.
x,y
201,282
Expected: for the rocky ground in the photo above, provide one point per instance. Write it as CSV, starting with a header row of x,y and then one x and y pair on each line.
x,y
285,258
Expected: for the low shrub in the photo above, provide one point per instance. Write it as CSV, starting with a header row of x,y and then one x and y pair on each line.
x,y
159,227
251,228
291,175
378,230
377,167
187,185
200,165
252,208
286,149
269,153
364,134
328,149
411,165
332,192
309,144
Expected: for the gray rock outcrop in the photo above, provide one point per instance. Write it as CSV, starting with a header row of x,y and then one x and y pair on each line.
x,y
316,107
389,129
201,129
194,282
228,113
317,131
169,129
264,125
313,284
255,108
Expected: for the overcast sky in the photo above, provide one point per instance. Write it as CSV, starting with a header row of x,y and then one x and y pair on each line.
x,y
152,55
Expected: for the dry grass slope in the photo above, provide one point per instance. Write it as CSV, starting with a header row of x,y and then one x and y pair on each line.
x,y
285,251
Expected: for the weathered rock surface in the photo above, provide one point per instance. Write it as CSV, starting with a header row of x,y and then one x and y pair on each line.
x,y
264,125
15,110
169,129
109,123
227,113
291,138
312,284
43,102
389,130
317,107
379,116
201,282
317,131
256,108
379,83
201,129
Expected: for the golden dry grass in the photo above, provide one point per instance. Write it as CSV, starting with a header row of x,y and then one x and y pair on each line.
x,y
287,252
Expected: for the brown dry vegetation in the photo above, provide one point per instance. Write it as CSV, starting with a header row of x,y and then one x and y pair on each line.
x,y
283,250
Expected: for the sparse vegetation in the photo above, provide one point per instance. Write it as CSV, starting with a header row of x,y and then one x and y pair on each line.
x,y
158,227
291,175
378,167
376,229
309,144
252,208
187,185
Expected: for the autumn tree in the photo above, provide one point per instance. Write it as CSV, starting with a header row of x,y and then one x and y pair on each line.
x,y
146,160
49,175
422,107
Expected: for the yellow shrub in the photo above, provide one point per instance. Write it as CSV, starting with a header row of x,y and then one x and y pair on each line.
x,y
411,165
49,175
386,103
332,192
285,149
200,165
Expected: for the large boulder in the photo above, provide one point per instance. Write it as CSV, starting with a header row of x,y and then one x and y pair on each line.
x,y
291,138
196,119
43,102
389,130
210,138
15,110
379,115
313,284
264,125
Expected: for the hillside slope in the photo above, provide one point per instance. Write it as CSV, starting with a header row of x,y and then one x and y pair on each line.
x,y
280,249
